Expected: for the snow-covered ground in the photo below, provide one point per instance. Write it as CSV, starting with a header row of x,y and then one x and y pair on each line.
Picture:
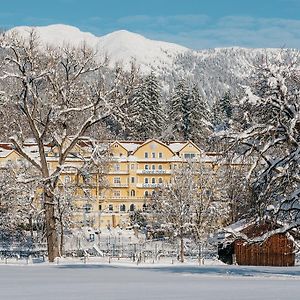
x,y
124,280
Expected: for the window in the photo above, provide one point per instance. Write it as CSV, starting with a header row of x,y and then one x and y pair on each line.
x,y
160,180
146,193
100,207
175,166
87,208
160,155
116,167
153,180
117,180
153,167
146,180
189,155
110,207
117,193
122,207
131,207
132,166
144,207
146,167
67,179
132,179
153,154
146,154
116,145
160,167
132,193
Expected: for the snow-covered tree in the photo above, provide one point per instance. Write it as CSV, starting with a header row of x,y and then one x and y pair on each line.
x,y
180,107
222,111
200,117
145,112
57,94
191,205
269,133
18,208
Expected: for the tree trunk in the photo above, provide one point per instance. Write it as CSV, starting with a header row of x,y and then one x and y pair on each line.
x,y
50,222
181,254
61,245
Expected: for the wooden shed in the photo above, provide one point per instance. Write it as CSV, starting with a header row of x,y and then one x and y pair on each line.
x,y
276,250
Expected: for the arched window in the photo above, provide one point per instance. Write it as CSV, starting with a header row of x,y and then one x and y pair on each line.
x,y
146,180
160,167
132,193
122,207
153,180
131,208
160,180
146,193
87,207
153,167
144,207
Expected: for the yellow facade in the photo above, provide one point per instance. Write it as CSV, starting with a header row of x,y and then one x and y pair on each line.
x,y
135,170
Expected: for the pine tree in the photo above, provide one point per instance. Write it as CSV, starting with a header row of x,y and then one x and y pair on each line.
x,y
180,110
222,112
226,105
200,117
146,113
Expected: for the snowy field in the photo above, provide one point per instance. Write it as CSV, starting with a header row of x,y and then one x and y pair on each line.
x,y
127,281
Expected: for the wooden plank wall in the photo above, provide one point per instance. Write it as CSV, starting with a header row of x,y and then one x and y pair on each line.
x,y
275,251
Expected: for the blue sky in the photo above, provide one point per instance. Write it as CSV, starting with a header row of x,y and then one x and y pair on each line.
x,y
193,23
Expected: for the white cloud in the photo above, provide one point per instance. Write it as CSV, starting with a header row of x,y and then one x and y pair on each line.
x,y
201,31
237,31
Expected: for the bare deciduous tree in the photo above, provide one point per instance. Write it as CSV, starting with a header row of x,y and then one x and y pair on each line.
x,y
58,93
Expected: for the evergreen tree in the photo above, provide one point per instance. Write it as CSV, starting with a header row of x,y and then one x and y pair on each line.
x,y
200,117
226,105
146,112
180,110
222,112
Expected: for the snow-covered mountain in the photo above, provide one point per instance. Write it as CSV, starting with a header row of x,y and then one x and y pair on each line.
x,y
121,46
214,70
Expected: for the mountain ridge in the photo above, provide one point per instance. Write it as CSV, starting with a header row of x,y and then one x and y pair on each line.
x,y
214,70
121,46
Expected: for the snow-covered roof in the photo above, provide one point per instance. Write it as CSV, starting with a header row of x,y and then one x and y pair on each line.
x,y
6,149
131,147
5,152
176,147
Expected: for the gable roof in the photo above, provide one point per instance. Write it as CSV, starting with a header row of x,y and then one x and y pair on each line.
x,y
157,141
190,142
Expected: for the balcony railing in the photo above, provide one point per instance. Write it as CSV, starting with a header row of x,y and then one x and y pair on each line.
x,y
149,185
119,185
158,172
125,172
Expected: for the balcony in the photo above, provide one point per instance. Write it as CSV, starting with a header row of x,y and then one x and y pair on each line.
x,y
120,185
155,172
121,172
149,185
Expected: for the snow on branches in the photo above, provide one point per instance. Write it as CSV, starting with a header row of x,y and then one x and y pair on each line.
x,y
269,132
